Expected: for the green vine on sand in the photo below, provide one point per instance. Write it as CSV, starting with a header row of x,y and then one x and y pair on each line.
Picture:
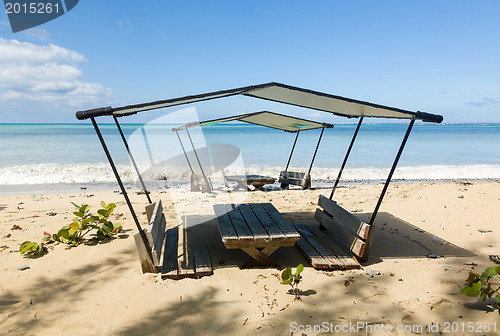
x,y
73,234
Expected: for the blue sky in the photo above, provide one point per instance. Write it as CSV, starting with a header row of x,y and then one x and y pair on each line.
x,y
434,56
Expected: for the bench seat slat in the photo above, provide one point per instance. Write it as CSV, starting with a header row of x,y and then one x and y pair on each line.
x,y
346,256
327,254
203,264
170,264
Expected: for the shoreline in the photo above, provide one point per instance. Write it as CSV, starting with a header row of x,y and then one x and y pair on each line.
x,y
52,188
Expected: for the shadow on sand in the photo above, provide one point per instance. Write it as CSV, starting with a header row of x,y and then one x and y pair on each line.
x,y
394,238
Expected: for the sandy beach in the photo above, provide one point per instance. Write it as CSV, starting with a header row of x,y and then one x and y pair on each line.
x,y
99,289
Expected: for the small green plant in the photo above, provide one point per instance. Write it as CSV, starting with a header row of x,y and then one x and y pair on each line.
x,y
289,278
85,222
29,248
481,285
74,233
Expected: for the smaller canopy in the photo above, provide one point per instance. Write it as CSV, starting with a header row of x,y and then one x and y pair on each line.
x,y
267,119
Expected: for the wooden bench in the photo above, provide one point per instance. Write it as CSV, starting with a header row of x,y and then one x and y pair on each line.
x,y
288,177
322,252
256,228
180,259
344,234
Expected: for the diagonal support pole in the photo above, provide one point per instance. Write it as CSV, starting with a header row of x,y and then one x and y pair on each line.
x,y
346,157
184,151
316,151
291,153
132,159
120,183
386,185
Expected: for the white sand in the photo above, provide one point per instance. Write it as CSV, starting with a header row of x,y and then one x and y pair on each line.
x,y
100,290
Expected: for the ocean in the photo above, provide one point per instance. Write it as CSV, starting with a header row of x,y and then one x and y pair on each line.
x,y
54,154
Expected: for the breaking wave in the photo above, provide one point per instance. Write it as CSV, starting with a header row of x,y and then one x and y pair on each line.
x,y
101,173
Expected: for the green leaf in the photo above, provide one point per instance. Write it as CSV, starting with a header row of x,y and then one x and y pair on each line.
x,y
497,269
102,212
484,292
100,234
117,227
78,213
472,276
103,204
472,289
286,275
63,232
76,205
488,274
299,270
25,247
74,226
87,220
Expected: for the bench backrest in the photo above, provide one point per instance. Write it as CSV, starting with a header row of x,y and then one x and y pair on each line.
x,y
351,232
290,177
155,232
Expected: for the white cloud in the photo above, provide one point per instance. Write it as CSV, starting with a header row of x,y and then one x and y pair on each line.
x,y
45,73
40,34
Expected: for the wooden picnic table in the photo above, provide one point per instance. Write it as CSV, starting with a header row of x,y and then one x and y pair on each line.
x,y
256,228
257,181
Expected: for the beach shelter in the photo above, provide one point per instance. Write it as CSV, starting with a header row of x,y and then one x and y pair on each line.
x,y
268,119
277,92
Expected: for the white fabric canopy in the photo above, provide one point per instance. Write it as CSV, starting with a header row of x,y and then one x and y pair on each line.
x,y
282,93
267,119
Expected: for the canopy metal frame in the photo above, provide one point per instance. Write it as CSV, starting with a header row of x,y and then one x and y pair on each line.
x,y
297,128
273,92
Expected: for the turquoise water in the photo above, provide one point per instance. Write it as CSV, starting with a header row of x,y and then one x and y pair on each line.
x,y
71,153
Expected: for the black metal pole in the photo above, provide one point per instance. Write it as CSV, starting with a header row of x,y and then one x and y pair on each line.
x,y
198,159
396,160
316,151
119,180
293,147
132,159
184,151
346,157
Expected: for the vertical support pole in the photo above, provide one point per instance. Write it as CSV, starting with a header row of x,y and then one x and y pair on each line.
x,y
386,185
132,159
198,159
346,157
184,151
293,147
124,192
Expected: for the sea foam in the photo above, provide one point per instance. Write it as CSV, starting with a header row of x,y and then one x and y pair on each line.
x,y
102,173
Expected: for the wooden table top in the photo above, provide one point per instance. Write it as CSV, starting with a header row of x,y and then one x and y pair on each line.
x,y
254,225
